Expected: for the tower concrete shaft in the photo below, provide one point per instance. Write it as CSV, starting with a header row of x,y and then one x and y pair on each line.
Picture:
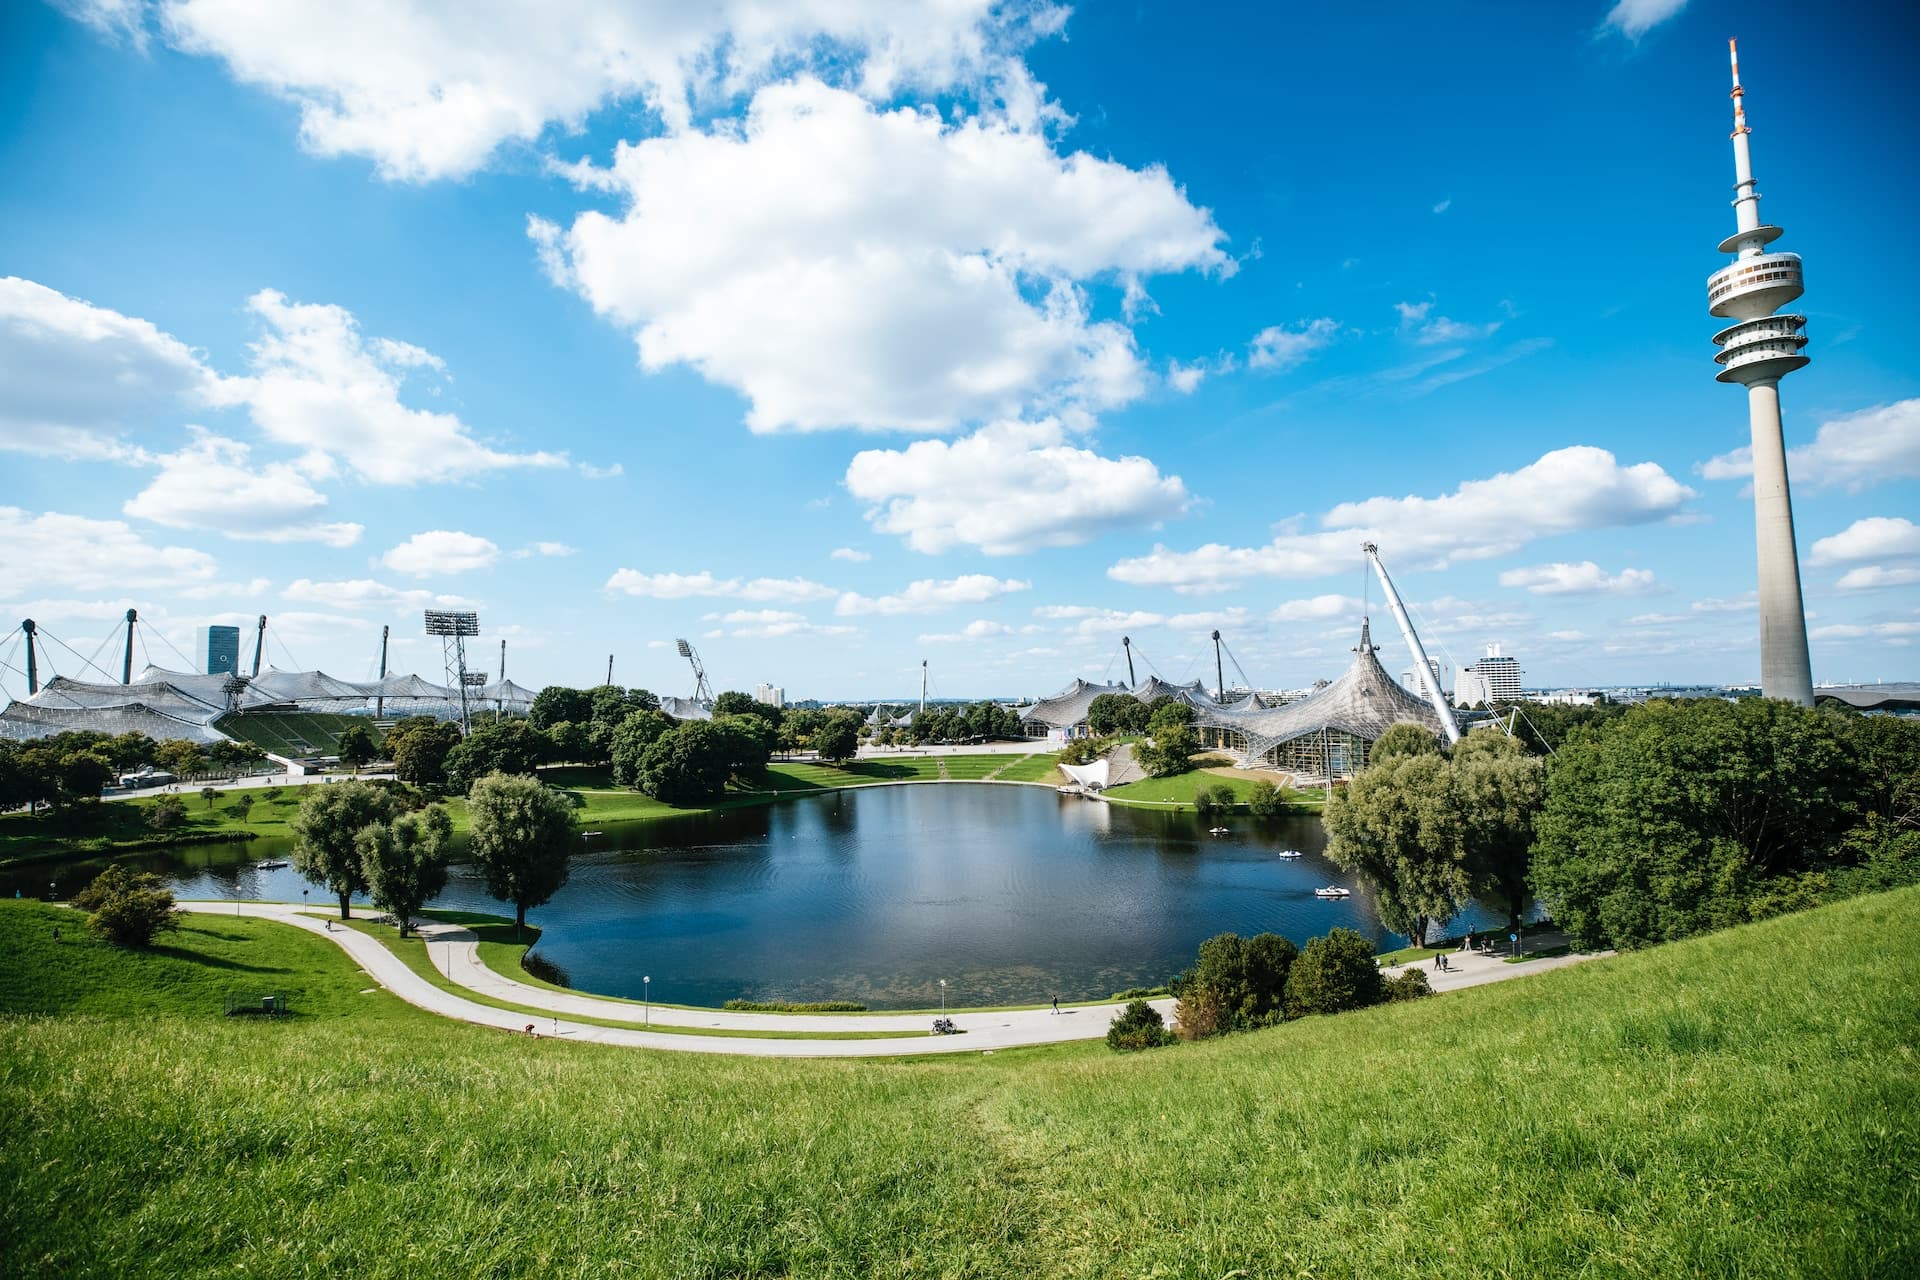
x,y
1757,351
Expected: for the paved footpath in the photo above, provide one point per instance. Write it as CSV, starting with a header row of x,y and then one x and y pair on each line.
x,y
455,952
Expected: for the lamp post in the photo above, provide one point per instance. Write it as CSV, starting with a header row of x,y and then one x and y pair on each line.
x,y
943,997
646,991
303,900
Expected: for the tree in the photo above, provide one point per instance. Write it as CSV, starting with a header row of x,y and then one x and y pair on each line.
x,y
838,740
1112,713
406,861
243,806
81,775
419,746
127,907
1398,825
1333,974
131,750
355,746
1138,1027
522,835
178,756
640,730
557,703
1235,985
1682,816
733,703
167,813
1266,800
512,746
571,741
688,764
1174,741
1403,740
327,825
1500,788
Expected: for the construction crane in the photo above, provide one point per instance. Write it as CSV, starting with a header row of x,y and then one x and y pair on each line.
x,y
702,691
1434,695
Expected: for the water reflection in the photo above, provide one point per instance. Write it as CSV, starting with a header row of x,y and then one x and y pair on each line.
x,y
1009,893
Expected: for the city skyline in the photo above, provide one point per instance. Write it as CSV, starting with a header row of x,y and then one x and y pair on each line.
x,y
981,340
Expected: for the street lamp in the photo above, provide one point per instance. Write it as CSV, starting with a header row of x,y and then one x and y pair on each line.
x,y
943,997
646,991
303,900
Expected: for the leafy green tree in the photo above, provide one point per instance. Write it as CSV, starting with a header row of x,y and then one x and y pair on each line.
x,y
734,703
168,813
571,741
838,739
178,756
556,704
1112,713
209,794
243,806
1399,826
1333,974
1403,740
419,746
127,907
1139,1026
1266,800
512,746
522,836
329,821
1500,789
1682,816
636,733
749,744
1235,985
688,764
405,862
1174,741
131,750
355,746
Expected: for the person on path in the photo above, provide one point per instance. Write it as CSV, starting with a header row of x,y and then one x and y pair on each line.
x,y
1056,1002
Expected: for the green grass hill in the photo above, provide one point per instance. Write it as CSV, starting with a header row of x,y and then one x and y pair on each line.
x,y
1746,1103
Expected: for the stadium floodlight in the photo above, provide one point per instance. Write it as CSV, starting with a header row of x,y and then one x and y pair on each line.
x,y
685,649
443,622
474,679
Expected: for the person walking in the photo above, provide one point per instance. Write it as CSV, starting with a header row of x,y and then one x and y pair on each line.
x,y
1056,1002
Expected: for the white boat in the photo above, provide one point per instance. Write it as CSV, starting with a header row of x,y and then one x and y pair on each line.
x,y
1333,891
1288,853
1218,831
588,835
270,864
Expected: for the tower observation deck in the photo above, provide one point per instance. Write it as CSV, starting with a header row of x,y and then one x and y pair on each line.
x,y
1756,351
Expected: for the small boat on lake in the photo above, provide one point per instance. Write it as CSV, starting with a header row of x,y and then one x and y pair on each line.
x,y
1333,891
1287,853
270,864
588,835
1218,831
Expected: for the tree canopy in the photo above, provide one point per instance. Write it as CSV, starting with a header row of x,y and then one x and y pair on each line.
x,y
522,837
405,862
328,823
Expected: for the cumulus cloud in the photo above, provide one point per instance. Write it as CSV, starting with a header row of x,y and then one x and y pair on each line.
x,y
213,483
533,549
1866,631
1564,491
1007,489
441,551
978,629
75,553
768,624
1280,347
77,380
319,386
431,91
1314,608
1873,538
850,555
683,586
1583,579
365,593
1728,604
1853,451
930,595
845,266
1634,18
1878,577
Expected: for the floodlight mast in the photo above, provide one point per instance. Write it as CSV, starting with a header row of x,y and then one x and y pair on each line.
x,y
1434,695
702,691
453,627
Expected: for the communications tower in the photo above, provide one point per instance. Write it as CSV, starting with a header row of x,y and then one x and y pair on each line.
x,y
1756,351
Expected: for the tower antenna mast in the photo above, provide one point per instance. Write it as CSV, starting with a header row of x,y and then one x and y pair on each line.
x,y
1757,350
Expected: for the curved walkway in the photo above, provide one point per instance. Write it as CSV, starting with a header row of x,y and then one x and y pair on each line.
x,y
456,953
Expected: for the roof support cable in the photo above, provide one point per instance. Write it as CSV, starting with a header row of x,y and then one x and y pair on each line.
x,y
187,664
48,635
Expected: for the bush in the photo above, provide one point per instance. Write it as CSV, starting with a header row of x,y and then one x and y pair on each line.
x,y
1266,800
1141,993
167,813
1333,974
127,907
1236,984
1139,1027
1410,985
789,1006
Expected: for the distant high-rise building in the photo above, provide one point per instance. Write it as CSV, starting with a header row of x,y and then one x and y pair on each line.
x,y
219,650
771,694
1493,679
1414,681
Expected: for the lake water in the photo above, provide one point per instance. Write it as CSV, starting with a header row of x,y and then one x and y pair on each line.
x,y
1009,893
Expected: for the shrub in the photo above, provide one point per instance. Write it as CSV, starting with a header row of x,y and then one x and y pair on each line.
x,y
1138,1027
789,1006
1266,800
1410,985
1236,984
127,907
1334,973
1141,993
167,813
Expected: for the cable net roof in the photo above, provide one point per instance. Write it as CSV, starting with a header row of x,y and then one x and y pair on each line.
x,y
1365,702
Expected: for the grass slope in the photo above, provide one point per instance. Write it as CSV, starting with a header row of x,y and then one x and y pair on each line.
x,y
1181,788
1742,1104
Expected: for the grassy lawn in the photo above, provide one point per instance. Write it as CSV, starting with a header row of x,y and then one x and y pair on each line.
x,y
1181,788
122,824
1746,1103
1042,767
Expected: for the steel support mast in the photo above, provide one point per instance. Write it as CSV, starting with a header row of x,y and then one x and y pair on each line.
x,y
1434,696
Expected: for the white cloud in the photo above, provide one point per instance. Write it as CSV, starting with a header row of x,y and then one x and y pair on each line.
x,y
1656,619
1853,451
1583,579
1444,205
213,484
850,555
432,91
1281,347
75,553
533,549
842,266
1186,378
978,629
441,551
1567,637
1428,330
1234,619
929,595
1564,491
318,386
1873,538
768,624
1634,18
1315,608
1007,489
683,586
1728,604
1878,577
592,472
1865,631
76,379
365,593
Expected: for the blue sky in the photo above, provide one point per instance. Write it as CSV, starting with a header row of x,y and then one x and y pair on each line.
x,y
836,336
